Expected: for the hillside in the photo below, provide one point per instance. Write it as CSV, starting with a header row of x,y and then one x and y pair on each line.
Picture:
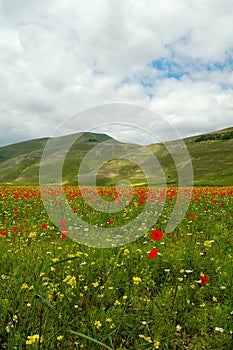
x,y
211,154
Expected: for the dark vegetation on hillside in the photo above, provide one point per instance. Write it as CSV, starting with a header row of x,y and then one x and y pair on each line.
x,y
217,136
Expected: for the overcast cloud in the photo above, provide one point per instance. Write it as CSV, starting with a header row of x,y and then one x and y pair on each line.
x,y
62,56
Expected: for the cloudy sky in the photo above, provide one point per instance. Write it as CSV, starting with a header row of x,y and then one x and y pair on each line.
x,y
59,57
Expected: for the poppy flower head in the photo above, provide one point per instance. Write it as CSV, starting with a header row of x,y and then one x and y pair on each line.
x,y
3,233
203,280
153,253
157,235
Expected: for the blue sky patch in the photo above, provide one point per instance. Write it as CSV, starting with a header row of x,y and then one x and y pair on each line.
x,y
169,69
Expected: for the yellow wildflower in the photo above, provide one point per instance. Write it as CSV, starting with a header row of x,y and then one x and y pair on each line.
x,y
95,284
98,324
136,280
126,251
32,339
70,280
15,318
207,244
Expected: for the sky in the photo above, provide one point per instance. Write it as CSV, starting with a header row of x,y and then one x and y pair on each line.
x,y
61,57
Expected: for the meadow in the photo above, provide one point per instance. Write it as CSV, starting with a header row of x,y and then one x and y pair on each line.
x,y
161,291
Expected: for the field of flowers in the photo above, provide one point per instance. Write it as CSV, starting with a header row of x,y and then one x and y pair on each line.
x,y
161,291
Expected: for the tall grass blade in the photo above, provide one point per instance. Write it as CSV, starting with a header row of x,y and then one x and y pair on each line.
x,y
91,339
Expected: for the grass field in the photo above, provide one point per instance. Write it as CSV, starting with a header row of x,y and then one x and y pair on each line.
x,y
58,294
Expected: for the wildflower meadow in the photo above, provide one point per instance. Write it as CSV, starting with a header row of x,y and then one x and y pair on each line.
x,y
160,291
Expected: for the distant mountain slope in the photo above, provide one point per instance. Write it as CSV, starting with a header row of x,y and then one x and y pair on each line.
x,y
211,154
21,148
20,162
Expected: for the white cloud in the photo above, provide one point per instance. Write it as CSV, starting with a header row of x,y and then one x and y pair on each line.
x,y
59,57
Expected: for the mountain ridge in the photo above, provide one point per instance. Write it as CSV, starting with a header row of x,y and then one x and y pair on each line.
x,y
211,155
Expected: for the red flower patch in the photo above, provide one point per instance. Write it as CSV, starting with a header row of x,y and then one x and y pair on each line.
x,y
62,222
3,233
157,235
203,280
153,253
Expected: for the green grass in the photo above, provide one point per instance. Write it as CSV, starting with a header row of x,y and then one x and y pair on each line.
x,y
71,296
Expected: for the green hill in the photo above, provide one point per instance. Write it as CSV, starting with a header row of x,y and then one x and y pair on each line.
x,y
211,155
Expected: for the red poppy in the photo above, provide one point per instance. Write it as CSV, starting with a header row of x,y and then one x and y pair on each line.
x,y
157,235
64,235
62,222
3,233
153,253
44,225
192,215
110,222
15,229
203,279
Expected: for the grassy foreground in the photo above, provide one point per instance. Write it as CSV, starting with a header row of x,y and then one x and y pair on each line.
x,y
57,294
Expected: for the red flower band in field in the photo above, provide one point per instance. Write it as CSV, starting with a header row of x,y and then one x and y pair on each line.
x,y
203,279
153,253
157,235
